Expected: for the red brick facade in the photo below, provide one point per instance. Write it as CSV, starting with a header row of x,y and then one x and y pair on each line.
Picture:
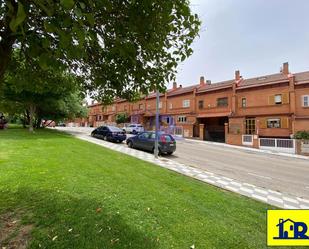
x,y
266,106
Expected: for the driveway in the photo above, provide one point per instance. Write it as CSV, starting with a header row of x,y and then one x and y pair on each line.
x,y
284,174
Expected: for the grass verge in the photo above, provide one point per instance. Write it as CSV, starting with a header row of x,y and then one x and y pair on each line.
x,y
74,194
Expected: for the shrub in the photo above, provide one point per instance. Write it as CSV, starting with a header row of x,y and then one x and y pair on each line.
x,y
121,118
302,135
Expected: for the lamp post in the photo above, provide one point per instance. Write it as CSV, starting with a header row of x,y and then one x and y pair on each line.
x,y
156,149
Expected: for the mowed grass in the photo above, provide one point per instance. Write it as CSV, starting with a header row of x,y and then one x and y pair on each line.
x,y
75,194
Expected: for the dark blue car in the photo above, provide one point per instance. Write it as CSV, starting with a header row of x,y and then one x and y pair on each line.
x,y
146,141
109,133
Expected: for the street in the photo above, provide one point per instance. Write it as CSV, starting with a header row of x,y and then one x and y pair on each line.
x,y
279,173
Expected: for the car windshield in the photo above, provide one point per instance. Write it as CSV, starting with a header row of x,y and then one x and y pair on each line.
x,y
114,129
132,125
139,126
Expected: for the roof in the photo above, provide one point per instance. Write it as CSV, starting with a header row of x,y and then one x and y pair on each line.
x,y
285,221
301,77
215,86
263,80
153,95
181,90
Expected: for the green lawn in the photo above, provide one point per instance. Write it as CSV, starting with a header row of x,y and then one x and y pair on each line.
x,y
74,194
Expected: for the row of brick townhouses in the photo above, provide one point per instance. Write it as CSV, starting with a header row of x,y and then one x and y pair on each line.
x,y
273,106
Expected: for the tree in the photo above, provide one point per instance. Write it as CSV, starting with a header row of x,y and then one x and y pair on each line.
x,y
121,118
40,93
121,48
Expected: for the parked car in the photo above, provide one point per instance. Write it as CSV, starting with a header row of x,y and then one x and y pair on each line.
x,y
146,141
109,133
133,128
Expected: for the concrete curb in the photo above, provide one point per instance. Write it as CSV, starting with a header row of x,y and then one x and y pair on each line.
x,y
275,198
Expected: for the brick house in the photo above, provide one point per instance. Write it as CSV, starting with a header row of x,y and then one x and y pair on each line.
x,y
270,106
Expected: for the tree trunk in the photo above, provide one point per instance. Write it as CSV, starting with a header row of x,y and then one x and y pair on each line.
x,y
6,45
31,117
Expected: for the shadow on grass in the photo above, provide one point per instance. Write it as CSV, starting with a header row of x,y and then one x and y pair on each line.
x,y
60,220
24,134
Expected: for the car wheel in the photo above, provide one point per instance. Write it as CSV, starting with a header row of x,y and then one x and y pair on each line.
x,y
130,144
134,132
169,153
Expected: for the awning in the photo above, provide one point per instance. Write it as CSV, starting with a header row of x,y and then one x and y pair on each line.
x,y
213,115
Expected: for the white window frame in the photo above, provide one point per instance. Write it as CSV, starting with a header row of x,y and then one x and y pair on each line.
x,y
171,106
274,119
305,101
113,108
160,105
182,119
277,102
148,106
186,103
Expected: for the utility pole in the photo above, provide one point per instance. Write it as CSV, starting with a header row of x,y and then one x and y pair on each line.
x,y
156,149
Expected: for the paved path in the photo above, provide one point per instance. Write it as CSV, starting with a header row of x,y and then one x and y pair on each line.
x,y
285,174
221,166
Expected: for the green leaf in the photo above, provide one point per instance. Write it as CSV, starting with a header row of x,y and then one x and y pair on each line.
x,y
19,19
67,4
43,61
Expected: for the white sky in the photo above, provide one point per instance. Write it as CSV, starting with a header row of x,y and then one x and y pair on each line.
x,y
254,36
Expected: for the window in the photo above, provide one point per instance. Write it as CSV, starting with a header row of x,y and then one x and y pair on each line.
x,y
222,102
113,108
201,104
243,102
144,135
141,106
306,101
168,120
160,105
250,126
182,119
278,99
125,107
148,107
274,123
186,103
171,105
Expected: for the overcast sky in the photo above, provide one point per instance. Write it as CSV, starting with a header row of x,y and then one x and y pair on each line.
x,y
254,36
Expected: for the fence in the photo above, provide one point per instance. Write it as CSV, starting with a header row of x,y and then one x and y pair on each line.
x,y
278,145
173,130
247,139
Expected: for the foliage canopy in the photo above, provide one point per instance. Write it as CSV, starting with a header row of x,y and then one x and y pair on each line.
x,y
121,48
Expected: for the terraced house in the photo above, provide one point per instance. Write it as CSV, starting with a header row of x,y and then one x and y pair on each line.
x,y
250,112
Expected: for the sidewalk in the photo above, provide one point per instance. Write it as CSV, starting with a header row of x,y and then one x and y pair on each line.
x,y
268,196
248,149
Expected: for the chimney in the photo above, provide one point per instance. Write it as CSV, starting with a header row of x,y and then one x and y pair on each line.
x,y
208,82
285,68
237,75
174,85
202,81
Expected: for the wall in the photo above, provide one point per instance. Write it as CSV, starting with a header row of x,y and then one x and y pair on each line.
x,y
258,101
177,102
210,101
299,92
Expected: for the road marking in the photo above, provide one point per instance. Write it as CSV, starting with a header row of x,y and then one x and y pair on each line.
x,y
265,177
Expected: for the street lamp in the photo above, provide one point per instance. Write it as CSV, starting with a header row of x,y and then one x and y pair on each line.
x,y
156,149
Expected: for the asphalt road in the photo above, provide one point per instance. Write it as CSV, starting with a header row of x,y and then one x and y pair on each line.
x,y
284,174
